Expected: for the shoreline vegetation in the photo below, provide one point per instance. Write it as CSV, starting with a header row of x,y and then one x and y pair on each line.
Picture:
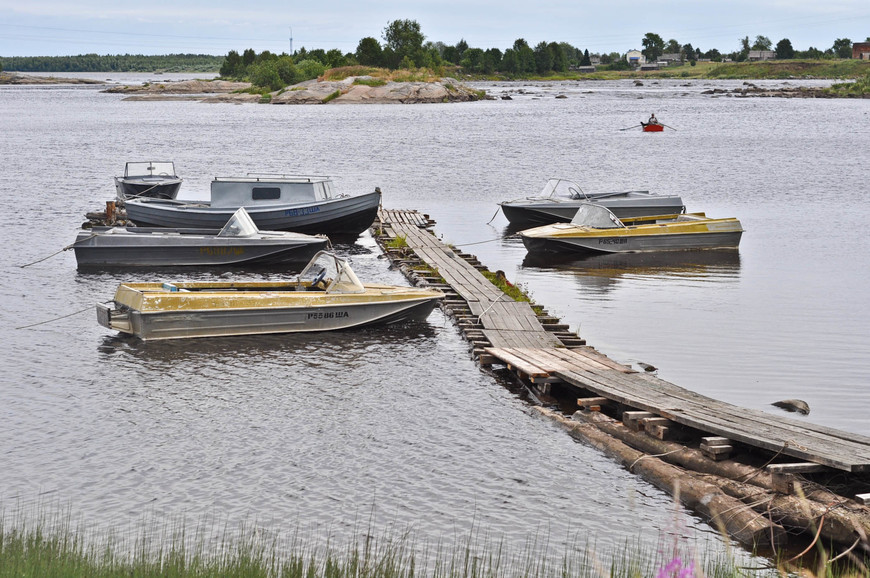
x,y
371,84
53,546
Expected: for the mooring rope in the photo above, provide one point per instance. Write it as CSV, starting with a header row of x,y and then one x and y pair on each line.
x,y
56,318
482,242
67,248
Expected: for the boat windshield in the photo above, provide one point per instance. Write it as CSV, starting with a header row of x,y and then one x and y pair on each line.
x,y
150,169
562,189
596,217
332,273
240,225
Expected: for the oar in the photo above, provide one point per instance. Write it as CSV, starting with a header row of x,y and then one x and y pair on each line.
x,y
666,126
631,127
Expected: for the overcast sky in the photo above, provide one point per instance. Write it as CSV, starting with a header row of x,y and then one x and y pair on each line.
x,y
62,27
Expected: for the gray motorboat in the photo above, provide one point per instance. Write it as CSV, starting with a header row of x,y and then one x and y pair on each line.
x,y
326,296
305,204
560,199
239,242
148,179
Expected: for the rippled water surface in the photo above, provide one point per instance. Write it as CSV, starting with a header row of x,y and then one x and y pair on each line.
x,y
399,423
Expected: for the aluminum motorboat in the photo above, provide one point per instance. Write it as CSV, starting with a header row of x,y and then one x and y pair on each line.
x,y
595,229
239,242
559,200
304,204
148,179
326,296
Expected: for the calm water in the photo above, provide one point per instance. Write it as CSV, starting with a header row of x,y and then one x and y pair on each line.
x,y
399,424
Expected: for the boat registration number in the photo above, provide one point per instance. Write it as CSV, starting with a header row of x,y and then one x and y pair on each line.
x,y
328,315
221,251
301,211
612,241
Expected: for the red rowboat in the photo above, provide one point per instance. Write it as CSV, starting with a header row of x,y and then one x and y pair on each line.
x,y
652,127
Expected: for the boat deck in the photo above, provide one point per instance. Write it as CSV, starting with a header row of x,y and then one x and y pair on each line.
x,y
540,349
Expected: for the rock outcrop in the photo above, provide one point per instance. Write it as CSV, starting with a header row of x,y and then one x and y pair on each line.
x,y
364,89
181,87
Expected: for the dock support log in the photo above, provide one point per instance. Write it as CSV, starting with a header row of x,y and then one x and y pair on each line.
x,y
845,520
730,514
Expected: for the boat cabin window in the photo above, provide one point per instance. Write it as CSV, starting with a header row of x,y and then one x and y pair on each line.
x,y
265,193
596,217
561,189
327,272
240,225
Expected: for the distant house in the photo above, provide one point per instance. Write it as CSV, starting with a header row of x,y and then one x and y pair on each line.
x,y
595,60
585,69
635,57
670,58
861,50
762,55
650,66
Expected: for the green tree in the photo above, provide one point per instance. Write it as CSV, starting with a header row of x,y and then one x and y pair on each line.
x,y
369,52
525,56
688,52
762,43
473,60
404,39
784,50
543,58
586,61
286,70
265,75
450,54
842,48
492,60
510,62
653,46
310,68
461,46
248,57
335,58
673,47
232,66
560,62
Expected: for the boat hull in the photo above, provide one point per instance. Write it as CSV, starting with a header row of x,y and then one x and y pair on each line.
x,y
220,322
180,247
634,244
533,213
132,188
653,128
340,216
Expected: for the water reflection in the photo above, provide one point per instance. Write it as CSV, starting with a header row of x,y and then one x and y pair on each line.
x,y
603,272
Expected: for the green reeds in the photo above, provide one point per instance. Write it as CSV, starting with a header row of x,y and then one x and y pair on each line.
x,y
62,551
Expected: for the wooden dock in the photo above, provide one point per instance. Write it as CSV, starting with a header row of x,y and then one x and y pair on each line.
x,y
538,348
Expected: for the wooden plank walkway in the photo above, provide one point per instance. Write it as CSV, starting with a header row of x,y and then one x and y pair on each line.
x,y
513,333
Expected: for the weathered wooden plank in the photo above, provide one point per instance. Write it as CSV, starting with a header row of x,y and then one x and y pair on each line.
x,y
798,468
518,362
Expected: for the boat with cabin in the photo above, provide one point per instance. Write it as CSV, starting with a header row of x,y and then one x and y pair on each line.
x,y
148,179
304,204
595,229
238,243
326,296
559,200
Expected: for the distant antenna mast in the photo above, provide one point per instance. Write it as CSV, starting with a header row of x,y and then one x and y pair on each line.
x,y
291,41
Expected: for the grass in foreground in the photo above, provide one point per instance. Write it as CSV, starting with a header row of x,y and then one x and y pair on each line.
x,y
32,552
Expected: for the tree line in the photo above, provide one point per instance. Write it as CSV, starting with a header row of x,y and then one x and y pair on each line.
x,y
405,46
654,47
113,63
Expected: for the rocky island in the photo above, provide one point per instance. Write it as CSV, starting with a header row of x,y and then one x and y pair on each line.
x,y
350,90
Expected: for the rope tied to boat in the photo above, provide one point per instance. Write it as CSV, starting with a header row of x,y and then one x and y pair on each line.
x,y
90,308
67,248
